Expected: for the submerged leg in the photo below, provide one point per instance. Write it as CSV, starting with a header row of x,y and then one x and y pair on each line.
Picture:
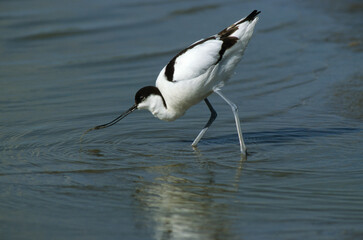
x,y
213,115
236,118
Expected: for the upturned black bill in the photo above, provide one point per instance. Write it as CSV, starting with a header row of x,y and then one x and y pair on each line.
x,y
133,108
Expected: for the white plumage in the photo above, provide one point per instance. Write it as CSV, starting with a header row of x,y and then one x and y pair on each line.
x,y
195,73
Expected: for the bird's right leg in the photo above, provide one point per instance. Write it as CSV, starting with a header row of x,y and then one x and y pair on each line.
x,y
236,118
213,116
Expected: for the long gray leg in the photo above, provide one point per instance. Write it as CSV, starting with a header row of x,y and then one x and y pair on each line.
x,y
213,115
236,118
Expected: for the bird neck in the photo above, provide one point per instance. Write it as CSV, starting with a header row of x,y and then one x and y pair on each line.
x,y
157,106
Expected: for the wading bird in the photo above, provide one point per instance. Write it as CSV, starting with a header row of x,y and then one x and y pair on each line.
x,y
195,73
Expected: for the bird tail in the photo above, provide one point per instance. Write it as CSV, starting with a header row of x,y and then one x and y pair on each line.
x,y
249,18
241,27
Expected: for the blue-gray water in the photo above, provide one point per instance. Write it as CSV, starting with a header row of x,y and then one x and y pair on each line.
x,y
66,66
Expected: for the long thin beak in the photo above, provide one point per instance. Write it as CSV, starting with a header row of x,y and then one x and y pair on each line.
x,y
133,108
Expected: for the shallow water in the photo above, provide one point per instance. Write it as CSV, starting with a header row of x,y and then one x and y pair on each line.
x,y
68,66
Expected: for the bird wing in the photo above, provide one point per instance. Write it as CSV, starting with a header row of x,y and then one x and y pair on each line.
x,y
194,60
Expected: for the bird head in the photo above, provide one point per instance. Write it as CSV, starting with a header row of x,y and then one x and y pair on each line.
x,y
145,98
148,97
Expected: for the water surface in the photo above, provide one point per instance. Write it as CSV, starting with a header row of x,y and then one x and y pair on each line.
x,y
67,66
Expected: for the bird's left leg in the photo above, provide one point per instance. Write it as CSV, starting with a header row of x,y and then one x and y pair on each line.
x,y
236,118
213,116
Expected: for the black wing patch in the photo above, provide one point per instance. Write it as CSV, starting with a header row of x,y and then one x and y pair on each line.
x,y
228,42
224,36
169,70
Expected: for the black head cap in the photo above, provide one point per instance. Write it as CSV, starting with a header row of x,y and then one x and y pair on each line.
x,y
145,92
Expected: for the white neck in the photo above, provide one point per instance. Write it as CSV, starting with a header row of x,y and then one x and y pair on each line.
x,y
155,104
